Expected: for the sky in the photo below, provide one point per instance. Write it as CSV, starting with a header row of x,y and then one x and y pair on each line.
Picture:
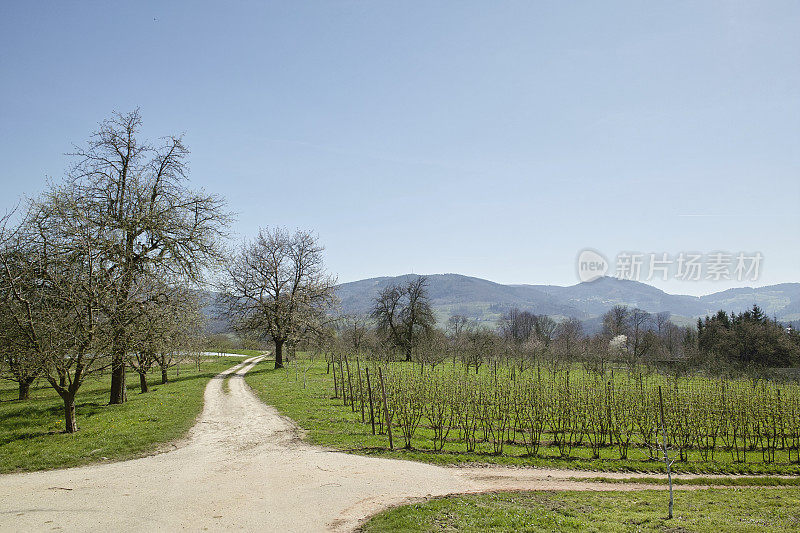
x,y
491,139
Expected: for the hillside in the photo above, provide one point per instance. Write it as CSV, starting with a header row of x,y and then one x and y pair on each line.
x,y
485,301
454,294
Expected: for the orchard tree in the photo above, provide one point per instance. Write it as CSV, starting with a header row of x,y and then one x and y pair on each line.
x,y
276,287
181,330
433,347
568,339
355,333
483,345
636,325
21,361
58,290
169,322
458,326
615,321
403,314
517,326
147,221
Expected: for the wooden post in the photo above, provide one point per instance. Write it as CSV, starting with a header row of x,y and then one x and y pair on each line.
x,y
360,390
666,455
386,410
371,412
350,384
341,381
335,381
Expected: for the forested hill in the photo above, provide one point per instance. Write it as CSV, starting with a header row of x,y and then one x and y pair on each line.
x,y
485,301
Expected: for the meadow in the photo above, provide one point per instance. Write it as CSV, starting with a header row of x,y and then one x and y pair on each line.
x,y
741,510
32,436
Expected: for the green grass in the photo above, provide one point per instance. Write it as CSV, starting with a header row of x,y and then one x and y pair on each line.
x,y
329,423
748,481
740,510
32,432
250,353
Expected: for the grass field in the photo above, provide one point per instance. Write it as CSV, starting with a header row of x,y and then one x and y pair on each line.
x,y
31,432
249,353
725,481
740,510
329,423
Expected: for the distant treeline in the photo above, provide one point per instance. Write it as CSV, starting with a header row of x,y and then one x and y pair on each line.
x,y
402,326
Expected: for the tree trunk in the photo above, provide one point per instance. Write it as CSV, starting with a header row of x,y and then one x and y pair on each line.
x,y
117,379
70,423
163,374
24,388
279,354
143,382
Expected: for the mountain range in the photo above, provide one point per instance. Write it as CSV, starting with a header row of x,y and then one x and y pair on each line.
x,y
485,301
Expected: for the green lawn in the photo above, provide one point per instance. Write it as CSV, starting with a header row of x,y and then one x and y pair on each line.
x,y
250,353
31,432
329,423
741,510
725,481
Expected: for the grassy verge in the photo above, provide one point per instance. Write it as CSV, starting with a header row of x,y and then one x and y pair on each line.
x,y
31,432
329,423
748,481
740,510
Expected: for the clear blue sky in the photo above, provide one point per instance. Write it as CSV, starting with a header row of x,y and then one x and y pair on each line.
x,y
494,139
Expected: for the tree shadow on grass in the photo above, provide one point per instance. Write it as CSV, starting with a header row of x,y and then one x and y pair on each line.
x,y
258,370
10,394
27,435
132,381
18,423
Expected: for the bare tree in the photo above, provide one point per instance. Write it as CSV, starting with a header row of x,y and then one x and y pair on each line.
x,y
595,354
662,322
277,287
517,326
640,335
615,321
636,326
147,221
568,339
544,329
403,313
20,361
355,333
482,345
432,347
58,291
168,323
458,326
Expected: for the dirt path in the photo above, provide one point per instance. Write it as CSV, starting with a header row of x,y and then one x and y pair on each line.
x,y
243,466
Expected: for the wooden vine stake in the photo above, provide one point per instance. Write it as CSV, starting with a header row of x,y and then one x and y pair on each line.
x,y
371,411
335,381
341,381
386,410
667,460
350,383
360,390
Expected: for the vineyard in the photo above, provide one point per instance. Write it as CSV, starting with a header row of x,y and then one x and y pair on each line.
x,y
571,412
